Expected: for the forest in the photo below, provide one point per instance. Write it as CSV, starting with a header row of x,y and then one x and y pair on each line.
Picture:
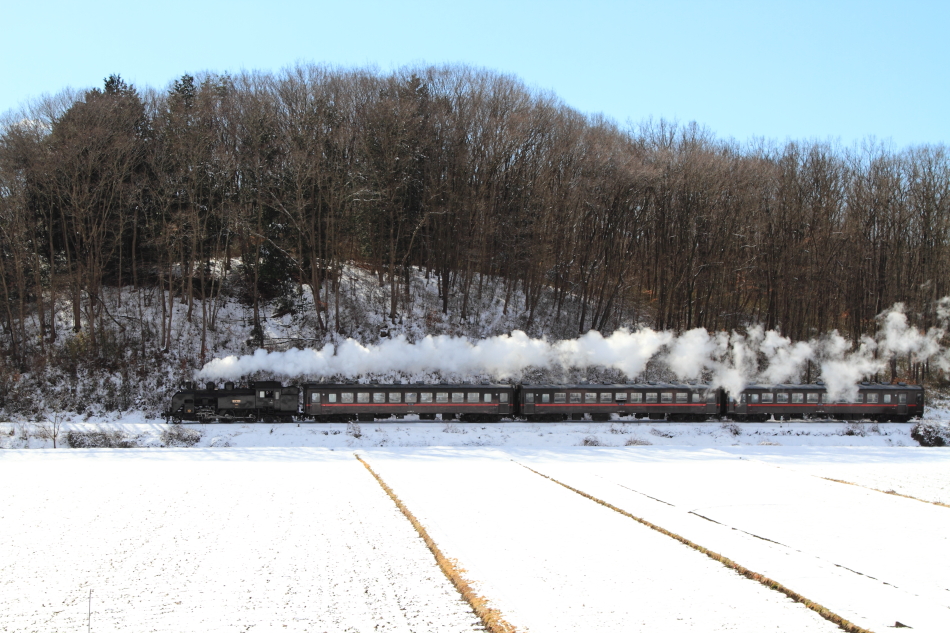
x,y
464,174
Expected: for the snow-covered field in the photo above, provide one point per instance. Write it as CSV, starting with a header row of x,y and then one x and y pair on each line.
x,y
923,474
204,540
554,561
875,559
269,534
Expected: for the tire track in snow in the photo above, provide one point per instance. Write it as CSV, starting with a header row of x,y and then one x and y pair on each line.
x,y
827,614
491,618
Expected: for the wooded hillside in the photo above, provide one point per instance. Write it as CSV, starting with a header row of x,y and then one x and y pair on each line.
x,y
464,173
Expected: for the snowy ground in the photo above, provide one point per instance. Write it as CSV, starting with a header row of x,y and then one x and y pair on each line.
x,y
554,561
273,535
205,540
923,474
874,559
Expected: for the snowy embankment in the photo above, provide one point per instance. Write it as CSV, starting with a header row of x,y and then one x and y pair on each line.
x,y
134,431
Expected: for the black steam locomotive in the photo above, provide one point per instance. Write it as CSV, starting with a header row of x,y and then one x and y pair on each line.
x,y
270,401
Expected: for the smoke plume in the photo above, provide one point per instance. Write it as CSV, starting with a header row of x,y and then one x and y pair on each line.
x,y
728,360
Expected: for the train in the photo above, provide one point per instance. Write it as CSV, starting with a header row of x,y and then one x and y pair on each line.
x,y
271,401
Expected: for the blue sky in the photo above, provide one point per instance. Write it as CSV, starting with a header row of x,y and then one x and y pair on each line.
x,y
804,70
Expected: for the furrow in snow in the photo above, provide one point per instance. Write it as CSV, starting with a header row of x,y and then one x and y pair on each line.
x,y
552,561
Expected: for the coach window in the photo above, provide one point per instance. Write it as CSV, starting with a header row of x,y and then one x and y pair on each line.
x,y
315,398
545,398
425,397
347,397
487,397
859,397
379,397
682,397
590,397
825,399
634,397
753,398
560,397
529,398
605,397
395,397
331,397
741,398
887,398
781,398
575,397
651,397
262,396
362,397
697,397
503,397
411,398
872,398
767,398
458,397
798,398
442,396
666,396
902,398
812,398
473,396
711,397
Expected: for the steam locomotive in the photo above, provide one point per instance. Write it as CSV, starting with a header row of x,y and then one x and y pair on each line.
x,y
270,401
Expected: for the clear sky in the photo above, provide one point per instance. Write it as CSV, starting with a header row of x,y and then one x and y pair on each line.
x,y
803,70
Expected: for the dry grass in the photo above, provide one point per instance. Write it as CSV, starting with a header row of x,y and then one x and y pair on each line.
x,y
491,618
887,492
843,624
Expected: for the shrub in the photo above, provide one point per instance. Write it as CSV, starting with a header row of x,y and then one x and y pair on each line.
x,y
732,427
636,441
853,428
931,434
590,440
99,438
451,427
178,436
353,430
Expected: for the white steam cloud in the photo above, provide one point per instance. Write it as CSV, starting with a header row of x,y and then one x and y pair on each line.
x,y
729,360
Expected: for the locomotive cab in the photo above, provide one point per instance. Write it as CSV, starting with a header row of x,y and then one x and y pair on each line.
x,y
182,405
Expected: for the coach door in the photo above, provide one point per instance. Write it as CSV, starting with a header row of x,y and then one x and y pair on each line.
x,y
902,404
528,403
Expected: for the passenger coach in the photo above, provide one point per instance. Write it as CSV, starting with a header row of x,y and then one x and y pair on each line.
x,y
652,400
366,402
873,401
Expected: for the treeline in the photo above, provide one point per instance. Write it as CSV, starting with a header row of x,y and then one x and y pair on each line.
x,y
464,173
